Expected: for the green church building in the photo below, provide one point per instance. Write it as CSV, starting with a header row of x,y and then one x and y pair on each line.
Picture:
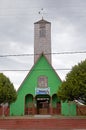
x,y
38,92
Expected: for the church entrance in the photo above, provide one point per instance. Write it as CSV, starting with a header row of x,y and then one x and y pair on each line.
x,y
43,103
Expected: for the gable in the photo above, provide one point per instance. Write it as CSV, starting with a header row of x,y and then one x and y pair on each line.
x,y
40,68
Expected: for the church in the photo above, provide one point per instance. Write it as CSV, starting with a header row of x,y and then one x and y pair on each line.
x,y
38,92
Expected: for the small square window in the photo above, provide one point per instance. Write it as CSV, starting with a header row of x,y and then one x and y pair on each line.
x,y
42,82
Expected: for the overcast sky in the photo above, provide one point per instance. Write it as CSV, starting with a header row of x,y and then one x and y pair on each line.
x,y
17,17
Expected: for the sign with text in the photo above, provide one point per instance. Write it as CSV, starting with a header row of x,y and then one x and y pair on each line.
x,y
42,90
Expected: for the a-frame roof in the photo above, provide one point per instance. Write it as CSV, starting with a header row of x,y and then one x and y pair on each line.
x,y
39,68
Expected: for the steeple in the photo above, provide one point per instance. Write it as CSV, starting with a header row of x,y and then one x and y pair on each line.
x,y
42,39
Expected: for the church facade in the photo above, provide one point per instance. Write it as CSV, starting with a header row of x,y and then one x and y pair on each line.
x,y
38,92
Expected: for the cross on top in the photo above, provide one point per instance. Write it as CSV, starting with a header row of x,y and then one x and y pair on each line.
x,y
41,12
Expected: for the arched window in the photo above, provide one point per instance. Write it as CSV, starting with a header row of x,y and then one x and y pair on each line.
x,y
28,100
54,100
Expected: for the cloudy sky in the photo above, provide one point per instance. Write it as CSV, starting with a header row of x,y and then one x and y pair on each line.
x,y
17,17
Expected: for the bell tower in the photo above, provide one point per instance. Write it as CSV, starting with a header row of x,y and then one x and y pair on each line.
x,y
42,39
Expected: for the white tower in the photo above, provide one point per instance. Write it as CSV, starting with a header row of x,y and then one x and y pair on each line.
x,y
42,39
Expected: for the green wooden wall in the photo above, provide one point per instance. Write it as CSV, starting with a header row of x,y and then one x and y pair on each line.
x,y
41,68
68,109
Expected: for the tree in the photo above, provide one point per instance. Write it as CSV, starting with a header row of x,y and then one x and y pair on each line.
x,y
74,87
7,92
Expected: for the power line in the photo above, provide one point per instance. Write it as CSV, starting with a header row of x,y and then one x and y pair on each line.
x,y
57,53
60,69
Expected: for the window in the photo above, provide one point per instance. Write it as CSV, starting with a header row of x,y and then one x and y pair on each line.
x,y
42,30
42,82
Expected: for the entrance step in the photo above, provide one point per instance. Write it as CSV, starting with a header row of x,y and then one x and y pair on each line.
x,y
42,116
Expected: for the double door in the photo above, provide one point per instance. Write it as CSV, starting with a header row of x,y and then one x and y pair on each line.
x,y
43,107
